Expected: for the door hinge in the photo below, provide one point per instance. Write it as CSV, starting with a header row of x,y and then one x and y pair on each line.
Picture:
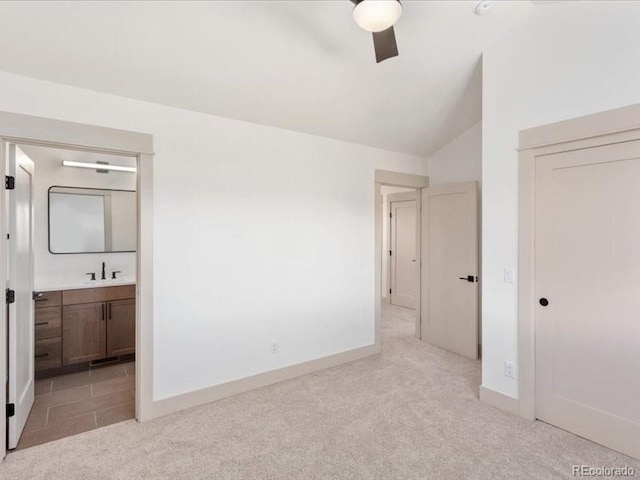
x,y
11,296
389,252
10,182
389,290
11,409
390,215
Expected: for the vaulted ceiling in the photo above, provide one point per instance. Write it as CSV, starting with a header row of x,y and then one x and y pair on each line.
x,y
294,64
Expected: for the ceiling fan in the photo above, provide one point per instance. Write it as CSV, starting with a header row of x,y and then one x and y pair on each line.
x,y
378,17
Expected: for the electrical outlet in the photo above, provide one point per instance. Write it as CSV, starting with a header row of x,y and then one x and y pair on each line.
x,y
510,370
509,276
275,347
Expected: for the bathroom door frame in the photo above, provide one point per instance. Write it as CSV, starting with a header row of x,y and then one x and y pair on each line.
x,y
30,130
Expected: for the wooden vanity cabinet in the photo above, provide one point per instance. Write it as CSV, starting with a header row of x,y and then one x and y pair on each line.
x,y
80,326
98,323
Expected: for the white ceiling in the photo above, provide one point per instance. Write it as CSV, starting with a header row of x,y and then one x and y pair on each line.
x,y
295,64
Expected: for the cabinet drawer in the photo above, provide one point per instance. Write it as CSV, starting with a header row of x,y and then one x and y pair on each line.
x,y
48,299
48,322
48,353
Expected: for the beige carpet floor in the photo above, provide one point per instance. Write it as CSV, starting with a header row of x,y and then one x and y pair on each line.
x,y
410,413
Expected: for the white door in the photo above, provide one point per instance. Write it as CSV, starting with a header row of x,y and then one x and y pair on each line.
x,y
403,254
450,267
587,283
21,312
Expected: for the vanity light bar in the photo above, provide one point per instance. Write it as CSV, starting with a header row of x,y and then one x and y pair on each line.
x,y
99,166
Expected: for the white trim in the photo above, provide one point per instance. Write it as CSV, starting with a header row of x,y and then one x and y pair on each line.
x,y
235,387
39,130
144,290
618,120
526,333
377,308
398,179
499,400
401,197
25,129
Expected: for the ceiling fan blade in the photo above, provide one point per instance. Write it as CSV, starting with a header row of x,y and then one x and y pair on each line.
x,y
385,45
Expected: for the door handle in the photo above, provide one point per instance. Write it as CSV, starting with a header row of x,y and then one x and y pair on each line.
x,y
544,302
468,278
103,312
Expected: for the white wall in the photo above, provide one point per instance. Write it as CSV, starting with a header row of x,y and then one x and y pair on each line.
x,y
49,268
260,234
386,191
458,161
567,60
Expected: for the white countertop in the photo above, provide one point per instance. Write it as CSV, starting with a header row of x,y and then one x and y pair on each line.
x,y
51,285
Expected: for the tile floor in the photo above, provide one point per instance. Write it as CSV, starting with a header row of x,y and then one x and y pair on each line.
x,y
81,401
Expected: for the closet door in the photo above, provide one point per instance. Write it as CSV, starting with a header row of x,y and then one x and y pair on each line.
x,y
587,284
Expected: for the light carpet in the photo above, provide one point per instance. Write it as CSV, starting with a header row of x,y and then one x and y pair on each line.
x,y
411,412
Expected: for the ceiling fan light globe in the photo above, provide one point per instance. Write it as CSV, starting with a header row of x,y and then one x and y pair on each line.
x,y
377,15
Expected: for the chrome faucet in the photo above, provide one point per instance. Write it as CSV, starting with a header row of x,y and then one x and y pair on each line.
x,y
104,273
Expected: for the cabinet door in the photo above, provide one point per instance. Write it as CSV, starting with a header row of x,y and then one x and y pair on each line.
x,y
83,333
121,327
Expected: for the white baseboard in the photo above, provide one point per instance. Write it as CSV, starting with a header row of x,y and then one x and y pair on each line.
x,y
235,387
499,400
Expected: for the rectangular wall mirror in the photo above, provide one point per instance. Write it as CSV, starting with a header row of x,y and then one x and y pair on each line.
x,y
91,220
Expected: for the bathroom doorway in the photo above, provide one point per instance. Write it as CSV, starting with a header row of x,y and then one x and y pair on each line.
x,y
72,238
28,130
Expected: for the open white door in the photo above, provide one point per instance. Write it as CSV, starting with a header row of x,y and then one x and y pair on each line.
x,y
450,267
20,312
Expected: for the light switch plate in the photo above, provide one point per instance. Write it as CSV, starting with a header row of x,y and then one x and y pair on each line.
x,y
510,370
509,276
